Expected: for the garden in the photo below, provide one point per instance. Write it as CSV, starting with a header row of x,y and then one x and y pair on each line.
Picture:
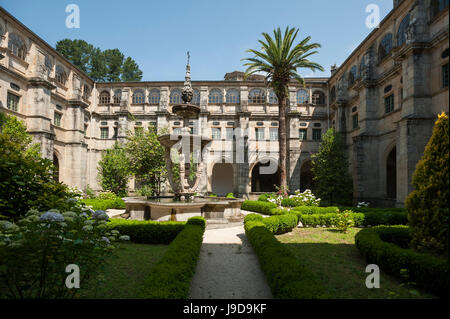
x,y
309,251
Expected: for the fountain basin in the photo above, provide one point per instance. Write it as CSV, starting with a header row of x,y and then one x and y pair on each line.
x,y
213,209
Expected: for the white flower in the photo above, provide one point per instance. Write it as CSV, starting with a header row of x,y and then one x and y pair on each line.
x,y
106,239
87,228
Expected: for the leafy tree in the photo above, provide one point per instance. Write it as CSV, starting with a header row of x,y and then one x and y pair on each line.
x,y
427,205
279,59
333,182
146,159
107,66
114,170
131,71
26,179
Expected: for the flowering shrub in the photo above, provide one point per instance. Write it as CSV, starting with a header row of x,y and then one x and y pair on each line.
x,y
35,251
306,198
344,220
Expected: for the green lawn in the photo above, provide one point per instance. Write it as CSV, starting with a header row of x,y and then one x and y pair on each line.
x,y
335,259
124,273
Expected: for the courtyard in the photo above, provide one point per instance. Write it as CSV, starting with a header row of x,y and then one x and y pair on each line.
x,y
150,177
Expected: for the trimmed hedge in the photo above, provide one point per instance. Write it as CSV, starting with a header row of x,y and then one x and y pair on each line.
x,y
104,204
286,276
148,232
170,278
327,220
276,224
427,271
258,206
315,210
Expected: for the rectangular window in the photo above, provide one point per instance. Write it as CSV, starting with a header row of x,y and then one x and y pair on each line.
x,y
273,133
317,134
445,76
57,119
230,133
389,103
259,134
303,134
13,102
104,132
216,133
85,128
355,120
116,132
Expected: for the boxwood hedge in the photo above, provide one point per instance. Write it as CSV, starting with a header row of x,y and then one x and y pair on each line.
x,y
147,232
286,276
104,204
170,278
386,247
258,206
276,224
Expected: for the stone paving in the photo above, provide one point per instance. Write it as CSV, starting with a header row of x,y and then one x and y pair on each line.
x,y
228,268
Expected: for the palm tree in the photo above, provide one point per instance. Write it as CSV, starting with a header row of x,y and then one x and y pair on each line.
x,y
279,59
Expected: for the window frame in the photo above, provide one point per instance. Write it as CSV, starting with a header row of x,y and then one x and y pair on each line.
x,y
303,137
314,135
102,130
16,101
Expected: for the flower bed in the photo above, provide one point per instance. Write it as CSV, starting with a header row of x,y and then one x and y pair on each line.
x,y
286,276
386,247
170,278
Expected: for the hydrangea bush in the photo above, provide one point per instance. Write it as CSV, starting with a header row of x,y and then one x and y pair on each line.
x,y
306,198
35,251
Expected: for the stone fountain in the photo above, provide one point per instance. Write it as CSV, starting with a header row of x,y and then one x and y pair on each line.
x,y
180,151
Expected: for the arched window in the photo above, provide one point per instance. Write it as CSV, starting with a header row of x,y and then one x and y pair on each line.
x,y
138,97
232,96
257,96
362,65
196,97
60,75
153,97
215,96
302,96
175,96
117,96
17,46
401,34
273,97
385,47
105,98
318,98
352,75
437,6
333,94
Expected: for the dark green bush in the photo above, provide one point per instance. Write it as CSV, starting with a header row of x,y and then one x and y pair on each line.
x,y
427,204
104,204
286,276
252,217
281,224
258,206
427,271
314,210
148,232
278,211
263,198
385,218
197,220
170,278
313,220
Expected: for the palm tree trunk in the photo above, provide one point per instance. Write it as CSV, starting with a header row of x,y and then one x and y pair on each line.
x,y
282,142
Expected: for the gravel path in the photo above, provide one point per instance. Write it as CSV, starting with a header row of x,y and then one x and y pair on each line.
x,y
228,268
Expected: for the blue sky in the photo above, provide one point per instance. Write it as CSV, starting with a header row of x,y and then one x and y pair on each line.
x,y
157,34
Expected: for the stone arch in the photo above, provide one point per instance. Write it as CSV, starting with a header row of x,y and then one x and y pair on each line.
x,y
222,179
306,177
57,164
390,161
262,183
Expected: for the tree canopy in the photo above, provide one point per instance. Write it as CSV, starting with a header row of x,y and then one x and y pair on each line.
x,y
103,66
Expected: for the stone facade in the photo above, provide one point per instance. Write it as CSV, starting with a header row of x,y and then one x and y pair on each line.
x,y
75,119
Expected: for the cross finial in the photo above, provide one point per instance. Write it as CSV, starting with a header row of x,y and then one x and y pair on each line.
x,y
188,56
